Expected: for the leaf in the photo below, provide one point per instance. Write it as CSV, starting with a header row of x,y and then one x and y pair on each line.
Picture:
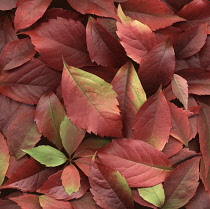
x,y
136,37
28,12
204,53
71,136
69,44
6,203
153,121
131,96
49,203
182,183
97,96
180,89
4,158
155,14
205,175
70,179
109,188
103,8
16,53
48,116
180,124
103,48
22,137
26,201
191,41
28,82
83,163
29,177
157,67
154,195
47,155
7,5
141,164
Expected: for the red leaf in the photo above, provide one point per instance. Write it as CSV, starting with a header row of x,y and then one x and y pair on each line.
x,y
29,177
182,183
157,67
60,39
103,48
28,12
28,82
48,116
97,96
103,8
83,163
5,204
16,53
205,175
136,38
191,41
109,188
141,164
49,203
204,55
7,5
27,201
4,160
155,14
176,5
131,96
152,123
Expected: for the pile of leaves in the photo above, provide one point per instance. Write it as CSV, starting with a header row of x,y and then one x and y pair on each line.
x,y
104,104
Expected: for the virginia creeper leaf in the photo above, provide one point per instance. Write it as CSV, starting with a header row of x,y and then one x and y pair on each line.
x,y
28,82
7,5
16,53
4,158
141,164
48,116
205,175
157,67
22,137
109,188
180,89
154,195
97,96
70,179
153,121
131,96
182,183
47,155
71,136
28,12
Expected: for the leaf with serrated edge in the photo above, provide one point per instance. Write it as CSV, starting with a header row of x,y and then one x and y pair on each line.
x,y
47,155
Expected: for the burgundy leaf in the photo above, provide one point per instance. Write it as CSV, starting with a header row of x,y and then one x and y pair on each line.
x,y
28,12
28,82
205,175
152,123
140,163
176,5
16,53
204,55
8,5
5,204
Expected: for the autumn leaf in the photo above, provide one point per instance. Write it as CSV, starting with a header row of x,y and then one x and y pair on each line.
x,y
7,5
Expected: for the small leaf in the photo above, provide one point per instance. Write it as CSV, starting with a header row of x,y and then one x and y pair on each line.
x,y
47,155
154,195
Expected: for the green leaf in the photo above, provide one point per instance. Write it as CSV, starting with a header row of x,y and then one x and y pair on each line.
x,y
47,155
154,195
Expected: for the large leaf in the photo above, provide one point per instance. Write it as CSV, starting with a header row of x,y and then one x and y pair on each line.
x,y
4,158
101,114
191,41
153,121
24,136
104,8
103,48
136,37
28,12
16,53
109,188
131,96
157,67
180,89
48,116
60,38
181,185
28,82
7,5
140,163
71,136
155,14
47,155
